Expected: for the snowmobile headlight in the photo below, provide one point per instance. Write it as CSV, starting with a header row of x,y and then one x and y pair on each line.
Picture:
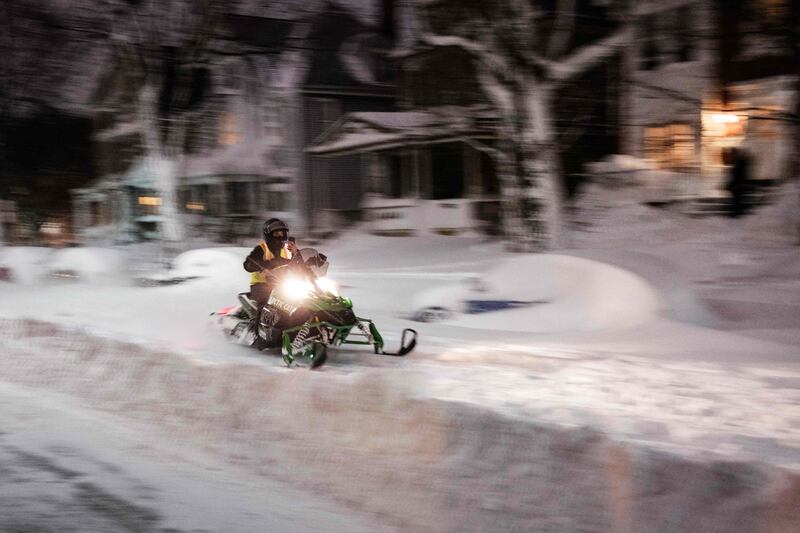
x,y
328,285
296,289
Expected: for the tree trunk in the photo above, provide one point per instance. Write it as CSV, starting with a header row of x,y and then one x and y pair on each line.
x,y
510,193
160,166
541,196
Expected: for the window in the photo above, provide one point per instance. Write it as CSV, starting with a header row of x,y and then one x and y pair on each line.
x,y
148,203
96,216
272,118
193,201
649,49
278,201
671,146
281,157
770,11
229,131
330,112
666,28
239,197
323,112
685,33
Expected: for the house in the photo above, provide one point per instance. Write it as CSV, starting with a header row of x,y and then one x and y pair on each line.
x,y
271,86
427,164
240,158
703,76
230,157
430,163
347,71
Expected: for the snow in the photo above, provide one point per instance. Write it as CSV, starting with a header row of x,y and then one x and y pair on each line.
x,y
88,264
71,469
368,129
659,353
204,263
24,263
354,58
567,294
407,120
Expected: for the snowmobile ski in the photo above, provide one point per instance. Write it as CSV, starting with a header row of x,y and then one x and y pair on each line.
x,y
405,346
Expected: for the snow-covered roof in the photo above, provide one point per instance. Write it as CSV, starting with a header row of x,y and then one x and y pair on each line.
x,y
351,142
396,119
370,131
243,158
120,129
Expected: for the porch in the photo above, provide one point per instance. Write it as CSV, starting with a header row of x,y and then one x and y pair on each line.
x,y
425,171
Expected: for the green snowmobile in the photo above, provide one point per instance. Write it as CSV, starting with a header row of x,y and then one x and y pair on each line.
x,y
308,314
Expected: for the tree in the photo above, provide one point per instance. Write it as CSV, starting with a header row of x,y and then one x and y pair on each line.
x,y
163,48
524,53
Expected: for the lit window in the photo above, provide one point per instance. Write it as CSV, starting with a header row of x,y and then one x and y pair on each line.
x,y
149,200
229,132
671,146
722,124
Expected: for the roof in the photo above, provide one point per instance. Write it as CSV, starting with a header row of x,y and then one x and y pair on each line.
x,y
249,158
374,131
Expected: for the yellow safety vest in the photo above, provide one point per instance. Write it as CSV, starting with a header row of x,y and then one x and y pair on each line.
x,y
258,277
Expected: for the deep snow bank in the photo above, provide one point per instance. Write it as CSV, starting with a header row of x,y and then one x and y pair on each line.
x,y
417,462
564,294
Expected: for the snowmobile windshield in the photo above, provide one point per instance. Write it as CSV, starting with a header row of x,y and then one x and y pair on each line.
x,y
315,261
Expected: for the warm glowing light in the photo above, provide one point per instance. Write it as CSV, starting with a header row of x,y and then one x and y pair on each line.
x,y
196,206
328,285
229,131
724,118
51,228
149,200
296,289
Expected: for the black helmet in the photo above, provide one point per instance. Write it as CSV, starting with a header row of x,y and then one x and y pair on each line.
x,y
273,225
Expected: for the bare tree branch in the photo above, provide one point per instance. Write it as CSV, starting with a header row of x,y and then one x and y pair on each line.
x,y
563,25
590,55
492,61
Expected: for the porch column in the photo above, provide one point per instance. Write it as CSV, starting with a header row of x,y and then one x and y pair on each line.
x,y
80,211
424,169
472,172
416,162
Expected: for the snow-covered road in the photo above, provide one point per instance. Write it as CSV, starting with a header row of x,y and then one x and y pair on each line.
x,y
68,468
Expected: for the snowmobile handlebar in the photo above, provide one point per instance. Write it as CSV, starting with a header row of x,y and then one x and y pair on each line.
x,y
295,265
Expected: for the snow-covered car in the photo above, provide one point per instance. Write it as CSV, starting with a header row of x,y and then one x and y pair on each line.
x,y
22,264
542,293
198,264
96,265
473,295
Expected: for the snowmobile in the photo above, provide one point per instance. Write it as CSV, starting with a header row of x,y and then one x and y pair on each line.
x,y
309,316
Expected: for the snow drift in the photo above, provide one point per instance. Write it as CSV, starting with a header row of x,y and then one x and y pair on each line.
x,y
416,462
564,294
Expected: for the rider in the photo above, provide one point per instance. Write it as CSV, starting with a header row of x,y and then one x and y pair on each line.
x,y
275,250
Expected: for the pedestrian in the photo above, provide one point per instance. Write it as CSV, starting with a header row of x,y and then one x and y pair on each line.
x,y
738,184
